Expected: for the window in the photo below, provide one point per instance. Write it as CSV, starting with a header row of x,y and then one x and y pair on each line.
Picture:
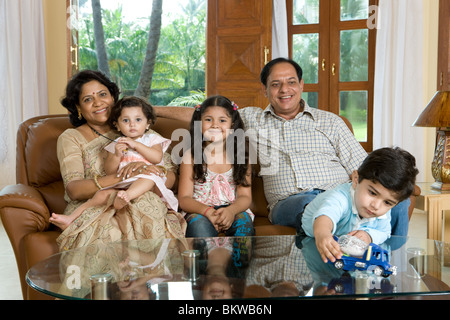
x,y
156,52
334,43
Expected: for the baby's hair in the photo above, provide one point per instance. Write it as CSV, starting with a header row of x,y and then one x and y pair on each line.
x,y
394,168
128,102
239,168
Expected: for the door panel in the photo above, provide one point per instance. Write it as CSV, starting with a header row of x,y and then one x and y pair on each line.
x,y
237,35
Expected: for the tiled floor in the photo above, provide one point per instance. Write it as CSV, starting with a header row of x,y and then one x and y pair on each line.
x,y
9,277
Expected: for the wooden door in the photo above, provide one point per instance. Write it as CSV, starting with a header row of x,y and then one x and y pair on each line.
x,y
239,42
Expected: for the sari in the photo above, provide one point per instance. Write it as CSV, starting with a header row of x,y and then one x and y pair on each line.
x,y
146,217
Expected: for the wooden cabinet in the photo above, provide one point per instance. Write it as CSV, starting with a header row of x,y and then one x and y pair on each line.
x,y
444,46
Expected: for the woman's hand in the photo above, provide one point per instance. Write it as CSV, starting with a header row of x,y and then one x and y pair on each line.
x,y
135,168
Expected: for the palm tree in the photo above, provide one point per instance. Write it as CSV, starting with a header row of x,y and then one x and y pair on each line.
x,y
99,36
145,80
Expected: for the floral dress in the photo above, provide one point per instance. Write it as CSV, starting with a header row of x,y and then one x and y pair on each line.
x,y
218,189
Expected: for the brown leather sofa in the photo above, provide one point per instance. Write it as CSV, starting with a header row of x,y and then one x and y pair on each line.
x,y
25,208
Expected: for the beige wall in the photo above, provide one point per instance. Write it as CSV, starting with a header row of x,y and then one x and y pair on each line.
x,y
56,46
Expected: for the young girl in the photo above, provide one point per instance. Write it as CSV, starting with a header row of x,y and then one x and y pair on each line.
x,y
132,117
214,188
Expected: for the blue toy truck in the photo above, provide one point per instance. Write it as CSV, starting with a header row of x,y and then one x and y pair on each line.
x,y
375,259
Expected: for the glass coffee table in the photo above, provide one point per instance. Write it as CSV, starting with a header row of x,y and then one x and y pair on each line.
x,y
236,268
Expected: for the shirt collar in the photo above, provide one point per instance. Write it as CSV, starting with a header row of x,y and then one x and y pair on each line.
x,y
307,110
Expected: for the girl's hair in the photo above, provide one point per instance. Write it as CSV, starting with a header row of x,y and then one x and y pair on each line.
x,y
128,102
73,91
239,143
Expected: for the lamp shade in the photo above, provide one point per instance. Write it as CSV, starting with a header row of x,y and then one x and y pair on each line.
x,y
437,112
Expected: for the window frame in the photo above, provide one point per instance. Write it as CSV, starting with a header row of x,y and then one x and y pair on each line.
x,y
329,86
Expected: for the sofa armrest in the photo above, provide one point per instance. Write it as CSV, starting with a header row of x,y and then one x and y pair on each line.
x,y
25,217
25,197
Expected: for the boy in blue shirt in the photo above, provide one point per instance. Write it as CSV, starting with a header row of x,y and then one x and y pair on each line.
x,y
362,207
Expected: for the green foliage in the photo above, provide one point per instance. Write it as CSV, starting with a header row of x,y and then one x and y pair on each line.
x,y
195,98
180,61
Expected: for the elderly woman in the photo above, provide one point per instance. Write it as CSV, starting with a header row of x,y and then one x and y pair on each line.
x,y
89,98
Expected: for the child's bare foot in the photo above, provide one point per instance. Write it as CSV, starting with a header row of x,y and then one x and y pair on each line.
x,y
121,200
60,220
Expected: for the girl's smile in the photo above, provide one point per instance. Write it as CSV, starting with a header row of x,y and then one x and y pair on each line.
x,y
216,124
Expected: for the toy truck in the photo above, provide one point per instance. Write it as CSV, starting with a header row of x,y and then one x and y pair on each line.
x,y
375,259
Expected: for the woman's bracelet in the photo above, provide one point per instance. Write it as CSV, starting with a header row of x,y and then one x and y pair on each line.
x,y
204,213
163,169
96,182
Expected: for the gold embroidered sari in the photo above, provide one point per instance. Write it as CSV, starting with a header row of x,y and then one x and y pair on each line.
x,y
145,217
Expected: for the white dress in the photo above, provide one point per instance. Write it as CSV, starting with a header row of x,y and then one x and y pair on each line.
x,y
148,139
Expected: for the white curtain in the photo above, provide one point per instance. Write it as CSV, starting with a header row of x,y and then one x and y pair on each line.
x,y
279,30
398,77
23,82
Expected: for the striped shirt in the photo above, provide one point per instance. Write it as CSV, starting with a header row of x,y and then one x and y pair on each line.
x,y
315,150
277,260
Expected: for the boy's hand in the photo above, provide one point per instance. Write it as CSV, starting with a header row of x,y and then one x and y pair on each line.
x,y
363,235
328,248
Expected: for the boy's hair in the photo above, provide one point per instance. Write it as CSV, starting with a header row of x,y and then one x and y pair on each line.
x,y
128,102
394,168
239,169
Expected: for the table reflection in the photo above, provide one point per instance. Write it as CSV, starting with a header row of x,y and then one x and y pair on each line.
x,y
231,268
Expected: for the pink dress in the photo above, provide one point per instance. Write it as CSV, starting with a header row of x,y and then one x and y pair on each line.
x,y
217,190
148,139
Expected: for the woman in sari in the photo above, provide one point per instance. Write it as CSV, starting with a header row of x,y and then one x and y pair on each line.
x,y
89,99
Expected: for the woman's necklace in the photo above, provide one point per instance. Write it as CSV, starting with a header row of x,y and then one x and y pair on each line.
x,y
99,134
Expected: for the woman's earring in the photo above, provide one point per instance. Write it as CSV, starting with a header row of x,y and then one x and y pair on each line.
x,y
80,116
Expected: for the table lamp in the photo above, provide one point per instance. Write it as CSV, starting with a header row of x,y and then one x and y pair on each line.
x,y
437,114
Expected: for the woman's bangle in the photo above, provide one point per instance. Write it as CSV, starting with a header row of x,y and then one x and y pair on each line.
x,y
163,169
204,213
96,182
